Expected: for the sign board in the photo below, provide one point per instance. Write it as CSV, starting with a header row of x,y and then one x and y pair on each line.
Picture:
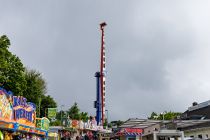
x,y
43,123
24,112
6,112
52,112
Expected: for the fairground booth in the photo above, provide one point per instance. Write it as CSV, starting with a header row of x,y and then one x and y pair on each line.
x,y
18,118
128,134
77,128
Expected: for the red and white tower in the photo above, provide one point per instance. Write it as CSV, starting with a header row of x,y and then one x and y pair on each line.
x,y
103,73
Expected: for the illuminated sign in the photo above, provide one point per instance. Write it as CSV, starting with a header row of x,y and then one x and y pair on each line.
x,y
24,112
6,111
45,123
6,125
22,128
18,114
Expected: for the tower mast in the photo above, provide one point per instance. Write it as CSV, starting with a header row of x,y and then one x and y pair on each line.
x,y
102,72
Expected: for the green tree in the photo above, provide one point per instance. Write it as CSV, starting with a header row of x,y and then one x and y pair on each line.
x,y
74,112
84,116
153,115
22,82
55,123
117,123
11,69
47,102
165,115
35,86
105,124
35,91
58,115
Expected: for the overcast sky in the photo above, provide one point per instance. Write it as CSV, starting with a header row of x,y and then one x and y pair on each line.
x,y
158,52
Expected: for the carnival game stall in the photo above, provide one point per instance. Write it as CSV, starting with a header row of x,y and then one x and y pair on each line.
x,y
128,133
55,132
77,128
18,118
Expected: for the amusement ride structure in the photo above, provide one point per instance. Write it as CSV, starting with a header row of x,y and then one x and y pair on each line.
x,y
99,104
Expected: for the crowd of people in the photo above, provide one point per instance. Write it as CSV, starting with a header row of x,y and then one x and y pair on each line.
x,y
84,136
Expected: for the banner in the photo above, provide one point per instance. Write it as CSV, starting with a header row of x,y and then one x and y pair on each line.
x,y
52,112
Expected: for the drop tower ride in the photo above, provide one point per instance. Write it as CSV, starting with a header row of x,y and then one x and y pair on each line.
x,y
101,82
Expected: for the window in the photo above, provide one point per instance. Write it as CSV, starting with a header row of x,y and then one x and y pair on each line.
x,y
200,136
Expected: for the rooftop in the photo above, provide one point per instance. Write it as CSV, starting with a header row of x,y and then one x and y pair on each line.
x,y
144,123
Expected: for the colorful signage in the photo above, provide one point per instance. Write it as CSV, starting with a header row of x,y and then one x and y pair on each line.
x,y
18,114
45,123
6,125
24,112
23,128
75,123
52,113
6,112
133,130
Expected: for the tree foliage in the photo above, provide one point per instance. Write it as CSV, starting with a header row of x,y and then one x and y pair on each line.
x,y
117,123
75,114
22,82
55,123
84,116
165,115
35,86
11,69
46,102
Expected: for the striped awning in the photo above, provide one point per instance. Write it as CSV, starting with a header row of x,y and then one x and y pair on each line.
x,y
129,132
